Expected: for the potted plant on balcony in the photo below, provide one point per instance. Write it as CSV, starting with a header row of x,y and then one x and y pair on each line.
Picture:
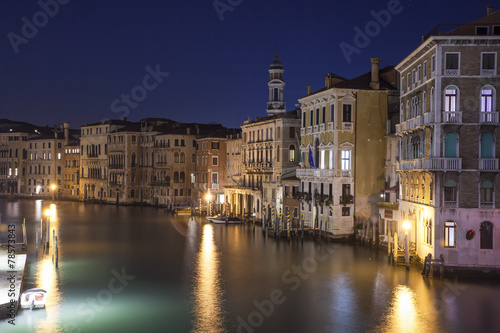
x,y
307,197
346,199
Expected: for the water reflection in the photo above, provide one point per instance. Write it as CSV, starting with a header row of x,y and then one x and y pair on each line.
x,y
46,278
402,315
208,304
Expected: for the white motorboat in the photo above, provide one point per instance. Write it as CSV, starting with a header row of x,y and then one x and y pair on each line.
x,y
224,220
33,299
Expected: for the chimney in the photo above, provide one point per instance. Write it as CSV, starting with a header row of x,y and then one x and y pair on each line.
x,y
489,10
328,82
309,90
375,83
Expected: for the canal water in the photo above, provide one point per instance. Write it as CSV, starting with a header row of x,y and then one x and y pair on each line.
x,y
135,269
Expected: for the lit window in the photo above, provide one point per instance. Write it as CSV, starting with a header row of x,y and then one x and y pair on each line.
x,y
291,150
346,160
450,234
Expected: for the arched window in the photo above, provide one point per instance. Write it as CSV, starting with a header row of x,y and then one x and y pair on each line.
x,y
168,180
183,158
451,105
278,154
450,145
276,94
291,153
402,112
487,96
176,177
486,194
133,160
486,235
407,110
451,99
487,147
487,104
182,177
450,193
176,158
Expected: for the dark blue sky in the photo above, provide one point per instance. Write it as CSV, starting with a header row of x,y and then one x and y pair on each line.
x,y
93,52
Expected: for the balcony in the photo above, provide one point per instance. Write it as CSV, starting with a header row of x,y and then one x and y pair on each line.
x,y
321,127
488,72
160,183
452,117
303,131
347,126
487,205
452,72
317,173
429,118
215,186
330,126
488,164
450,204
434,164
346,173
309,130
488,117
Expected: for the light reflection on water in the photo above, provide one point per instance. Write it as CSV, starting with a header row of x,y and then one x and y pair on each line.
x,y
196,277
208,304
47,279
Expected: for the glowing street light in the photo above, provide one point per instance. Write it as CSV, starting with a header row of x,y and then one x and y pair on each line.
x,y
208,197
406,225
53,187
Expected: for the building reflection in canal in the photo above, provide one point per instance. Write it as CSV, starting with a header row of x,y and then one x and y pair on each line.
x,y
208,295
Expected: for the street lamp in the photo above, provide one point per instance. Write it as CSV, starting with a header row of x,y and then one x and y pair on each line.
x,y
208,197
406,227
53,191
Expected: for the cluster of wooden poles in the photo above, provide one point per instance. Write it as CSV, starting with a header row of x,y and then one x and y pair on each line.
x,y
47,242
280,226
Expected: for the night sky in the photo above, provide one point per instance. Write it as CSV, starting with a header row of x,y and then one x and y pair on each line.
x,y
211,66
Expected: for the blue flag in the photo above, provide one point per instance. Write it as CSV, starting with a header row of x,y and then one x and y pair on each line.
x,y
311,159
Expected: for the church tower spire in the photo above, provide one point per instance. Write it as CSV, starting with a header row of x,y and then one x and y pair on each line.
x,y
276,104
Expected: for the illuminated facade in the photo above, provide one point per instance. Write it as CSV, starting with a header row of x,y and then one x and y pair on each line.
x,y
269,151
449,144
343,149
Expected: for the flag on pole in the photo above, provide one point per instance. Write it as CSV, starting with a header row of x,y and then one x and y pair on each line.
x,y
301,163
311,159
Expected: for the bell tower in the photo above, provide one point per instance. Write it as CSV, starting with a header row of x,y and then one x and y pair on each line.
x,y
276,104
